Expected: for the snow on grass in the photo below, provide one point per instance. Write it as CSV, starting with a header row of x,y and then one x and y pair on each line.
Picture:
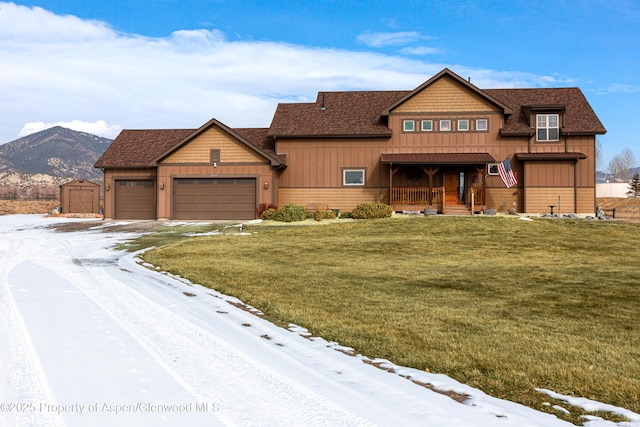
x,y
91,337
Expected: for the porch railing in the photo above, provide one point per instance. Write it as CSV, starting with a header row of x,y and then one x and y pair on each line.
x,y
431,196
417,195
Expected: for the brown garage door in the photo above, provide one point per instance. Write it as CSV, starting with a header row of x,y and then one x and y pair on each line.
x,y
135,199
81,200
214,198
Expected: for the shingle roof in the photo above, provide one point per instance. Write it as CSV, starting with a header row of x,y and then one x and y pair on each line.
x,y
439,158
344,114
136,148
139,148
579,117
550,156
362,114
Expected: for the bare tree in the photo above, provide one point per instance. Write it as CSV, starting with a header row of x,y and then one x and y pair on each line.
x,y
621,163
598,155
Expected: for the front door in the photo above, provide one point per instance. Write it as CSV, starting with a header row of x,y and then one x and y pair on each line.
x,y
452,187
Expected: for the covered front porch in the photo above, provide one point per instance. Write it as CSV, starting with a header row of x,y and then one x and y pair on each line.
x,y
449,183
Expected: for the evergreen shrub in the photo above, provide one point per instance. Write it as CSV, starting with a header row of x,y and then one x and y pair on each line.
x,y
371,210
290,213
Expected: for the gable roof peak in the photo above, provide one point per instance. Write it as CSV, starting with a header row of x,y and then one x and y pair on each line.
x,y
465,83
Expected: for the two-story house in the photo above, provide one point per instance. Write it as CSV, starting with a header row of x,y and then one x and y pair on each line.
x,y
438,146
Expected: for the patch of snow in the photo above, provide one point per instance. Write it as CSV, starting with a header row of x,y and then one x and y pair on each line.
x,y
91,337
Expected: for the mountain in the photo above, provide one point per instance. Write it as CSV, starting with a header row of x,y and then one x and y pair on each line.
x,y
49,158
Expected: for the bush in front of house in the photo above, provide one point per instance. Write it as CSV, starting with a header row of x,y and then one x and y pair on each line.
x,y
371,210
290,213
324,214
263,207
268,214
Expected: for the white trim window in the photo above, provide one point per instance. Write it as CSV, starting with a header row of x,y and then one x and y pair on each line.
x,y
408,125
482,125
547,127
445,125
427,125
353,177
463,125
492,169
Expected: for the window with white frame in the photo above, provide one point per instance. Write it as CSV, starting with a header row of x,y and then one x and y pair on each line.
x,y
492,169
547,127
463,125
408,125
482,125
351,177
427,125
445,125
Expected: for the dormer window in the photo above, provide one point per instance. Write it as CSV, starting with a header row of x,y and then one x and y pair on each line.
x,y
547,127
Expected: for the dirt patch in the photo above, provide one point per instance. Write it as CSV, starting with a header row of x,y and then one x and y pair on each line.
x,y
15,207
99,225
610,203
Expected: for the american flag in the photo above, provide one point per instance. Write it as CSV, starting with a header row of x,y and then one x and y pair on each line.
x,y
506,173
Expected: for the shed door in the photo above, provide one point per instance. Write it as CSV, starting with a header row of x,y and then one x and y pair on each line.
x,y
135,199
214,198
81,200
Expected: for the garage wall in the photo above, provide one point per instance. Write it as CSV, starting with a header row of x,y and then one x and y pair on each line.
x,y
110,177
262,173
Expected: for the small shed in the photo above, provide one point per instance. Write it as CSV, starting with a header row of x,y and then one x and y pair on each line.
x,y
80,197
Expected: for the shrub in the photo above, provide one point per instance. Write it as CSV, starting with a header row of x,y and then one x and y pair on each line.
x,y
371,210
345,215
263,207
268,213
290,213
324,214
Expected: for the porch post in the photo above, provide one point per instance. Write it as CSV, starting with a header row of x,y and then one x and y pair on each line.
x,y
391,184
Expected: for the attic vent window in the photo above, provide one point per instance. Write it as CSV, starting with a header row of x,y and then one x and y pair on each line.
x,y
463,125
547,127
445,125
427,125
482,125
214,156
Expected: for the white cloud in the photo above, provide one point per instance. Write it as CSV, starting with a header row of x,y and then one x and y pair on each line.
x,y
388,39
61,69
99,127
420,51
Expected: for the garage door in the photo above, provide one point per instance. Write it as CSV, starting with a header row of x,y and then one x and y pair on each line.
x,y
214,198
135,199
81,201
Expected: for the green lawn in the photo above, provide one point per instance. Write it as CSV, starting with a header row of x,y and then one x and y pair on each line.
x,y
501,304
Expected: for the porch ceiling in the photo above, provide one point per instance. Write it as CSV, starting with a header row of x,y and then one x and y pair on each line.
x,y
437,158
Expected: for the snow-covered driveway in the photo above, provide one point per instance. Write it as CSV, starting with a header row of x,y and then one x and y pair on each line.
x,y
91,338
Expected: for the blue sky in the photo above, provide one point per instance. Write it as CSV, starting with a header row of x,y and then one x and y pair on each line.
x,y
104,66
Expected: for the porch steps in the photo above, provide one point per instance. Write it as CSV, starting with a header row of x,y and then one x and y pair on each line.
x,y
461,210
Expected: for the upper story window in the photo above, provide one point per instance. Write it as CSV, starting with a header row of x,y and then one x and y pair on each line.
x,y
427,125
547,127
408,125
463,125
445,125
353,177
482,125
